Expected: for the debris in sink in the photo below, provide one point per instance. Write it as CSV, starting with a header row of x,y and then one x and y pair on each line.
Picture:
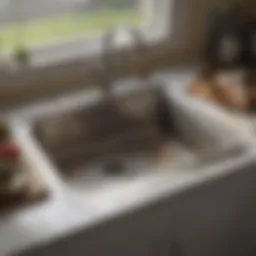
x,y
164,154
114,167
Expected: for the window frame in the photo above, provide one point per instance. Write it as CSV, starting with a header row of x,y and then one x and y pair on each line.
x,y
158,27
48,77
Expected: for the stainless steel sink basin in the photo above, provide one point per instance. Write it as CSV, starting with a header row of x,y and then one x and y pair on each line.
x,y
88,143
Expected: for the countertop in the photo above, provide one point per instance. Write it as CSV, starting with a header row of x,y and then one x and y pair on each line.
x,y
67,211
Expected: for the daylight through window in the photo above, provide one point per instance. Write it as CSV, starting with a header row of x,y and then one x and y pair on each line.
x,y
32,23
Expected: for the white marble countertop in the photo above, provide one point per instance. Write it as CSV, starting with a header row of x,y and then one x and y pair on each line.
x,y
68,211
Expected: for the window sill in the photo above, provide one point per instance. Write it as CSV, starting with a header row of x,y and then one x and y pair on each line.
x,y
68,52
85,49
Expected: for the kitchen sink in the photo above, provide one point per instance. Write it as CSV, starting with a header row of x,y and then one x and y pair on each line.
x,y
98,141
90,142
199,145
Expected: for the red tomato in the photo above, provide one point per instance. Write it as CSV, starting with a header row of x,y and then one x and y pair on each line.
x,y
9,150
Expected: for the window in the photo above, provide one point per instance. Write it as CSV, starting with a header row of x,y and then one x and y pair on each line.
x,y
39,25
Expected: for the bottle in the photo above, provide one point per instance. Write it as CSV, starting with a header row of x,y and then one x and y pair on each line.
x,y
223,45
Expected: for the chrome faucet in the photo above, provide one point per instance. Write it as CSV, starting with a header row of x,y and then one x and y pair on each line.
x,y
113,55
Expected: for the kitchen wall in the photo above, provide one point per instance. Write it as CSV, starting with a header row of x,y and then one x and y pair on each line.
x,y
185,44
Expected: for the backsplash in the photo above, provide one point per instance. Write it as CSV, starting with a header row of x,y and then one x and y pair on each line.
x,y
48,82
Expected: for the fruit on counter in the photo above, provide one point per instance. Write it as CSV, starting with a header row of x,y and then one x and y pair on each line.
x,y
9,166
227,90
9,150
10,163
231,97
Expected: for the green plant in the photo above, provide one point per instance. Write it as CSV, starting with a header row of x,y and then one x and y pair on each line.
x,y
22,54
